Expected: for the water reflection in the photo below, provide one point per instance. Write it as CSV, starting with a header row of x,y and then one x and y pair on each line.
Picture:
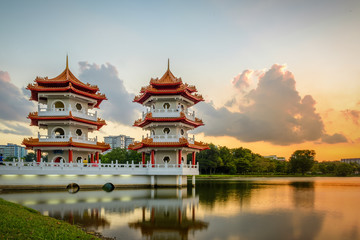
x,y
149,213
284,208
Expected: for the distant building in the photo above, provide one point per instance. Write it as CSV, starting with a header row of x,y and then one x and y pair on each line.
x,y
13,150
121,141
274,157
351,160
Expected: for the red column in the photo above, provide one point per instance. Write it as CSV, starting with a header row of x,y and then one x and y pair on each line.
x,y
92,158
143,158
193,158
180,216
38,155
70,156
179,160
97,157
153,157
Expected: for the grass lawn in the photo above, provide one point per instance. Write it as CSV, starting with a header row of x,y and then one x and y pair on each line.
x,y
19,222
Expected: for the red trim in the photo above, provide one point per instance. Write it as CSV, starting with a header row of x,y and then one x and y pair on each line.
x,y
182,92
143,158
152,157
35,90
193,158
35,119
38,155
70,156
179,160
193,146
184,119
97,157
65,144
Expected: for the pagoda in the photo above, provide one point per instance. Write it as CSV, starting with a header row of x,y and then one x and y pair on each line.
x,y
168,118
63,112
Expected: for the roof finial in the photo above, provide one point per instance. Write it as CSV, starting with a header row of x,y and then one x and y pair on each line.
x,y
168,64
67,62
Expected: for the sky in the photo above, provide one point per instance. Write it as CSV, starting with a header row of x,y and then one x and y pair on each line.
x,y
277,76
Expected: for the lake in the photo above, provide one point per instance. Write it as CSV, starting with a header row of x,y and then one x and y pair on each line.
x,y
232,208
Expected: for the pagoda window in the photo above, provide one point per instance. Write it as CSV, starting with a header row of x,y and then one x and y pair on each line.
x,y
166,105
78,106
166,159
166,130
78,132
59,106
59,133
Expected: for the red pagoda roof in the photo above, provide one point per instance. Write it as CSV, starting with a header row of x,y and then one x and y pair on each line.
x,y
148,142
149,119
35,119
168,84
65,82
30,143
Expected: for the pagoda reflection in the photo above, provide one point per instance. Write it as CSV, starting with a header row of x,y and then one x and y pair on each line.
x,y
168,222
152,213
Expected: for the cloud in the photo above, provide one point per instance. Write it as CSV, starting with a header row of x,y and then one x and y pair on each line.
x,y
242,81
14,106
119,106
335,138
16,129
353,115
275,113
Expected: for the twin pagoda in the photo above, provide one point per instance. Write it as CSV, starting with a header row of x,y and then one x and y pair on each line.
x,y
64,113
168,119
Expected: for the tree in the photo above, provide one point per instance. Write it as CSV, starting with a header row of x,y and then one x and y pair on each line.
x,y
302,160
210,160
343,169
30,157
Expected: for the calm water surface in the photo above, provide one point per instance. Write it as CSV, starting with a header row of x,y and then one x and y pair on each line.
x,y
254,208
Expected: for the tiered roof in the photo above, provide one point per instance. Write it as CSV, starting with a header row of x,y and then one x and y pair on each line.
x,y
183,142
168,84
182,118
65,82
35,118
30,143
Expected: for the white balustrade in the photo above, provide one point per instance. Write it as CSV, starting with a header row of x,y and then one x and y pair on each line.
x,y
66,138
170,113
171,138
47,112
63,168
165,138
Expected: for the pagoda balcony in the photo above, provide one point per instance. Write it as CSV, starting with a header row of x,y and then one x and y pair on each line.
x,y
51,112
66,138
170,138
169,113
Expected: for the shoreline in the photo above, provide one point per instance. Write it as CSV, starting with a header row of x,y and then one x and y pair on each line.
x,y
21,222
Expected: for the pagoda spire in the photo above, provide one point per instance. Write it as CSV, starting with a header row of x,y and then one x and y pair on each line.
x,y
67,67
168,64
67,61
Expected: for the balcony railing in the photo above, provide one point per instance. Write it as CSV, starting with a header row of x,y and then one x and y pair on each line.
x,y
170,138
66,138
47,112
170,113
63,168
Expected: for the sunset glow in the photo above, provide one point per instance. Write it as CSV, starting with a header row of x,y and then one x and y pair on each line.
x,y
276,76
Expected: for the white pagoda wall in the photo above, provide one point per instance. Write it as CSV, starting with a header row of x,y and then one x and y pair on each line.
x,y
67,101
65,155
159,156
